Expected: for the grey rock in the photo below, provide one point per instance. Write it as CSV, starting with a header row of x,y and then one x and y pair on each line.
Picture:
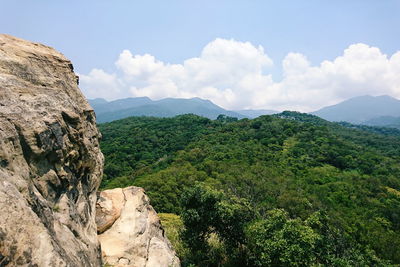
x,y
50,161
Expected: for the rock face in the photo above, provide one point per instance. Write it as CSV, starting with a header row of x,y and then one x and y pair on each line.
x,y
50,162
130,231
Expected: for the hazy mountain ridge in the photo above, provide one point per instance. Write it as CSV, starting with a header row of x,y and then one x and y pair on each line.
x,y
382,111
167,107
362,110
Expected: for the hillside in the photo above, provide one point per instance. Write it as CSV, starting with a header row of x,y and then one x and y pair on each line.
x,y
384,121
361,109
334,189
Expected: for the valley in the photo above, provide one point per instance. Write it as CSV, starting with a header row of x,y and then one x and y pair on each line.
x,y
291,167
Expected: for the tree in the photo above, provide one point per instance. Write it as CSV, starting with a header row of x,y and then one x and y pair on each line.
x,y
280,241
209,214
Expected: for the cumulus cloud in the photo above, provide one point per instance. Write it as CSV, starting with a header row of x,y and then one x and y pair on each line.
x,y
236,75
99,83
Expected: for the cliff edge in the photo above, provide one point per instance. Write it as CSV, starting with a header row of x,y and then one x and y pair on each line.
x,y
50,161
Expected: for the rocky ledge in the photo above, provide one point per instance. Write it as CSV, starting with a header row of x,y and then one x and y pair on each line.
x,y
130,231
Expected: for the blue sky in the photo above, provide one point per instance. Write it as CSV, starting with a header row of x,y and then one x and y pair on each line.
x,y
93,35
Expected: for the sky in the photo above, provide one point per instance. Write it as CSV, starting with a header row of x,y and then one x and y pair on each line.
x,y
297,55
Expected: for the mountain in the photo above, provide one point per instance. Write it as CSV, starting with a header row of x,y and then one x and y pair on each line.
x,y
97,101
101,105
254,113
168,107
361,109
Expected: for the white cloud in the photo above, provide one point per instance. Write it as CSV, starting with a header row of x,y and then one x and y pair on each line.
x,y
235,75
138,66
294,64
98,83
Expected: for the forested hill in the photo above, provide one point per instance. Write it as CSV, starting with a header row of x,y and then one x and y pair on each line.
x,y
280,190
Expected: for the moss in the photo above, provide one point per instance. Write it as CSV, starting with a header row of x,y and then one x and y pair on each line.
x,y
56,208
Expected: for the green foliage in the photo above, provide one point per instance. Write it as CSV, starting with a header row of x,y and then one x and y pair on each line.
x,y
280,241
173,227
136,144
293,163
56,208
214,225
221,230
225,118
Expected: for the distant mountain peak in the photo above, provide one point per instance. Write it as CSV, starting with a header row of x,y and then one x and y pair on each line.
x,y
98,101
361,108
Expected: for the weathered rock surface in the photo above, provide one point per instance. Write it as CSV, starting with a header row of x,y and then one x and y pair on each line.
x,y
130,231
50,162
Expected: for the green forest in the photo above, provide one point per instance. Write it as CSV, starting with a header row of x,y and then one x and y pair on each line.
x,y
289,189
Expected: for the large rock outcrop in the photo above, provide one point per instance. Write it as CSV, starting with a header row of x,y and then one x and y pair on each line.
x,y
50,162
130,231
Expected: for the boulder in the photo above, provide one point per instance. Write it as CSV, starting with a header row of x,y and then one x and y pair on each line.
x,y
130,231
50,161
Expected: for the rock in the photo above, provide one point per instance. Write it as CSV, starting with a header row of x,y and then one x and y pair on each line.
x,y
50,161
130,231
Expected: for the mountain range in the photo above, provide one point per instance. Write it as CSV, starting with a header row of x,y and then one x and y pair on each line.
x,y
381,111
168,107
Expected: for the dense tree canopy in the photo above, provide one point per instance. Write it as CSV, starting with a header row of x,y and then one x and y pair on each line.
x,y
277,190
